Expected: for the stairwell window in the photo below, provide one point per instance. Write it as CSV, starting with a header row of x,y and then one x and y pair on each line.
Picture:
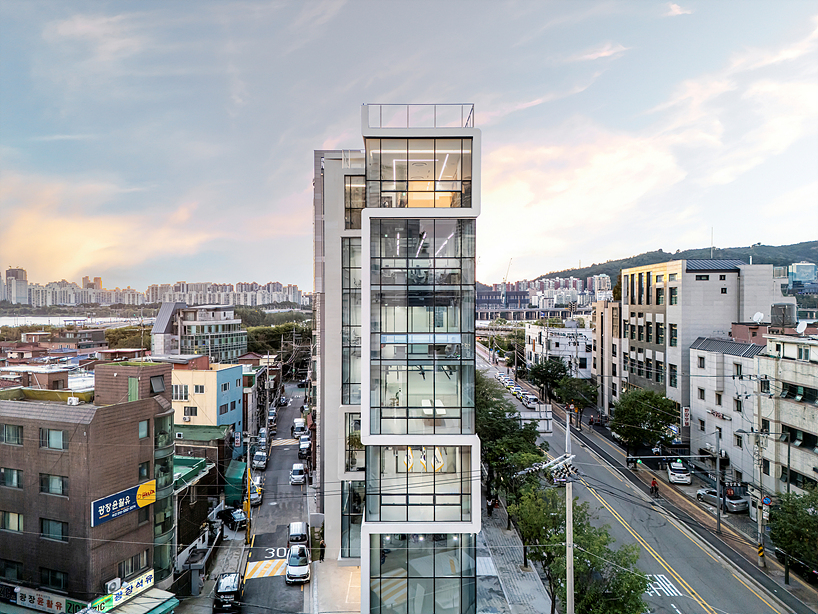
x,y
674,296
737,405
674,338
672,379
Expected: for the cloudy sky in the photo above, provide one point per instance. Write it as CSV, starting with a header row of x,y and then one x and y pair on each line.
x,y
150,142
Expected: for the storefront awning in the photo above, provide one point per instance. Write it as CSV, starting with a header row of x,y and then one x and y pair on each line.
x,y
153,601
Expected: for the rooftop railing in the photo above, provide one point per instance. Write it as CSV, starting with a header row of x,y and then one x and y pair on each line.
x,y
457,115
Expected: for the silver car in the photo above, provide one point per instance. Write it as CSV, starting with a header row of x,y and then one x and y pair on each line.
x,y
732,503
298,565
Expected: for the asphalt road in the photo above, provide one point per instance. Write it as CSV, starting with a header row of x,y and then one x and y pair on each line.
x,y
688,577
281,505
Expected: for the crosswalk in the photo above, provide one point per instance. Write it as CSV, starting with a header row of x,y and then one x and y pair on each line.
x,y
283,442
265,569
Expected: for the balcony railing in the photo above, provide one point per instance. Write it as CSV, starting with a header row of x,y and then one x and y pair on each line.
x,y
458,115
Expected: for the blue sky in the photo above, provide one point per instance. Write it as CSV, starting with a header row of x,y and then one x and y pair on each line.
x,y
150,142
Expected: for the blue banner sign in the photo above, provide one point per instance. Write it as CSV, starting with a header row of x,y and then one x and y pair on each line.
x,y
113,506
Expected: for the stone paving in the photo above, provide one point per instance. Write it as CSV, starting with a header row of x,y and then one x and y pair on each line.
x,y
523,591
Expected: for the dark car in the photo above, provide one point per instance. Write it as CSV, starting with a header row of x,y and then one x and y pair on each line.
x,y
235,519
226,597
806,571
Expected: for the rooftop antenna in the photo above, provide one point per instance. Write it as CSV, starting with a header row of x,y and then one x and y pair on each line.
x,y
802,326
758,317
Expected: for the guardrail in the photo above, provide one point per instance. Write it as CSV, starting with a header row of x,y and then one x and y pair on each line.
x,y
455,115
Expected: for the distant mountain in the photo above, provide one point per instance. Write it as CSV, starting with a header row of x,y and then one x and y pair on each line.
x,y
780,255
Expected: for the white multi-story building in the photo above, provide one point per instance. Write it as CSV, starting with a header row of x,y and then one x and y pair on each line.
x,y
606,359
788,410
722,402
394,311
667,306
571,345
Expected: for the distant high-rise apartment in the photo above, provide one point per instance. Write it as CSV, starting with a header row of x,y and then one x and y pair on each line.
x,y
17,286
394,324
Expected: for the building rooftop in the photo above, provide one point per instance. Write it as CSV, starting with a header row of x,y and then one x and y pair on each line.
x,y
706,264
726,346
48,411
164,319
196,432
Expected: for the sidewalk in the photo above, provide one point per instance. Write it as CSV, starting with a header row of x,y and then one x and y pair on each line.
x,y
503,585
229,557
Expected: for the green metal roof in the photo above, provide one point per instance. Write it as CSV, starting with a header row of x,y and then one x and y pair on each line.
x,y
196,432
186,468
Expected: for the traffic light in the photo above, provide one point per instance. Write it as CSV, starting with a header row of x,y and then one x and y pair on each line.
x,y
632,460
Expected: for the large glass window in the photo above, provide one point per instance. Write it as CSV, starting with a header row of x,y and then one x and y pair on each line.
x,y
355,459
422,326
354,200
351,321
418,483
418,172
352,512
433,573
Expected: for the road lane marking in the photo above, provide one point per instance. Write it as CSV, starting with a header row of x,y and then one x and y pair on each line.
x,y
661,584
265,569
756,594
283,442
696,597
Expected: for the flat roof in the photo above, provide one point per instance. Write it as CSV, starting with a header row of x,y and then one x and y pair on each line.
x,y
200,432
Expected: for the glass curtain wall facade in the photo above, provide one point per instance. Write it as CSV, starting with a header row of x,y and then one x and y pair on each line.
x,y
419,434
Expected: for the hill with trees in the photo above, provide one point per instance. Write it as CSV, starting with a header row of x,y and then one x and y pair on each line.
x,y
777,255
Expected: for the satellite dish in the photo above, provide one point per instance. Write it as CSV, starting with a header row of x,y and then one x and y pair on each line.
x,y
802,326
758,317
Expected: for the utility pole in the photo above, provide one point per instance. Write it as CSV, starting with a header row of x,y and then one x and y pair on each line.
x,y
569,529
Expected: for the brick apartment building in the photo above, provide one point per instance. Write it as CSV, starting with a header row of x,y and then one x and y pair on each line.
x,y
66,471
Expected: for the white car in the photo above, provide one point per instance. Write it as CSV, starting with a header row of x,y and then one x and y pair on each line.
x,y
298,565
677,473
297,474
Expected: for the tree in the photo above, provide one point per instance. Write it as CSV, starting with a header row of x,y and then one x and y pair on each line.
x,y
794,526
617,289
581,392
498,426
643,416
606,580
547,375
128,337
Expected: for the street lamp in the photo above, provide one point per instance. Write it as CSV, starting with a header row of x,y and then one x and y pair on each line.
x,y
759,514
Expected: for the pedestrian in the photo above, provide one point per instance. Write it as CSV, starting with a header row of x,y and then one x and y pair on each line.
x,y
322,545
489,505
292,431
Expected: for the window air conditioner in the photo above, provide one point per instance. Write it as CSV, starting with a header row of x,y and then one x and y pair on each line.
x,y
113,585
185,418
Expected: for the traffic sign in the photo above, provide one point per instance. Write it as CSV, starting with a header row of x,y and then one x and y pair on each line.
x,y
766,500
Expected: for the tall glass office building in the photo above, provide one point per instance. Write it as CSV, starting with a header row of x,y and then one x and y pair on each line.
x,y
394,369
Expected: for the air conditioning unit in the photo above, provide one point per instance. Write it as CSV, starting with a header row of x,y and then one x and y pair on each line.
x,y
73,401
185,418
112,586
709,447
180,435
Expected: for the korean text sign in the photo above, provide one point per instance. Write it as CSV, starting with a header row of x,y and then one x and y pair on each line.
x,y
113,506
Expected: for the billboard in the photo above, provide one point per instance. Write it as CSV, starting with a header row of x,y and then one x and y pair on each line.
x,y
113,506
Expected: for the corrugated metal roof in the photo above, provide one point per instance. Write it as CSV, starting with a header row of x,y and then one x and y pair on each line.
x,y
726,346
713,265
164,319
